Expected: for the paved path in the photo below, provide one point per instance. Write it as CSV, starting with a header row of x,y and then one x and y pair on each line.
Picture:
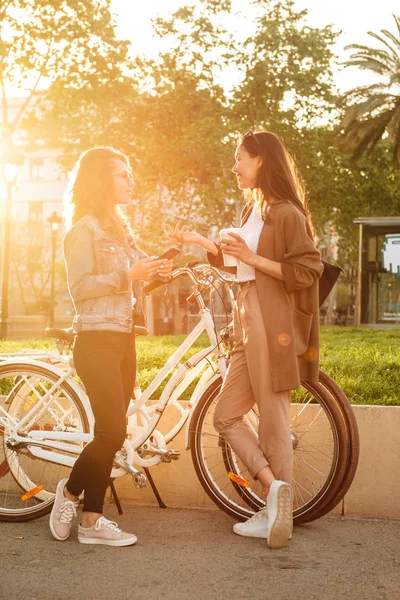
x,y
193,555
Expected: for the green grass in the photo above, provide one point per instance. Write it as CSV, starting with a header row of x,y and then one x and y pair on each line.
x,y
364,362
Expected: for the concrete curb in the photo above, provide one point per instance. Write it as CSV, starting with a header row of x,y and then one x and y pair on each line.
x,y
375,491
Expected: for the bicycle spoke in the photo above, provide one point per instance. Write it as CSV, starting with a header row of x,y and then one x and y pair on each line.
x,y
314,461
20,470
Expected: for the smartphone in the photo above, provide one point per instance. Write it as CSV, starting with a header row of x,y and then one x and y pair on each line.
x,y
170,253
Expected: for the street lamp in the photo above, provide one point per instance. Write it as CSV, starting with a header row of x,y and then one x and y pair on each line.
x,y
10,175
55,220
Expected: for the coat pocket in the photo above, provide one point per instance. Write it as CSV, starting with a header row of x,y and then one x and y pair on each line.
x,y
302,322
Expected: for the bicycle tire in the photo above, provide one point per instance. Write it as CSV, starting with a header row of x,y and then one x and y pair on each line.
x,y
354,442
245,501
19,468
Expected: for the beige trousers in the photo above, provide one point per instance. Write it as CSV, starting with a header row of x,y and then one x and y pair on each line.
x,y
248,381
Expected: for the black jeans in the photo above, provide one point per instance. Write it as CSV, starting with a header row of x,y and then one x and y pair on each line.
x,y
106,363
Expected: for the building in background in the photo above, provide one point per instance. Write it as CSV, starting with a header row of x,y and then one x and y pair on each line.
x,y
378,289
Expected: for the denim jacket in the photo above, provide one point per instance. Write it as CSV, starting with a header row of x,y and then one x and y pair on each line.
x,y
97,272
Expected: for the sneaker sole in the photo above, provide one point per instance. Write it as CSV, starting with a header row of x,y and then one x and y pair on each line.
x,y
253,535
98,541
281,530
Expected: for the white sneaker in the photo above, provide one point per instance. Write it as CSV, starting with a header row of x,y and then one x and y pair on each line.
x,y
105,532
280,514
256,526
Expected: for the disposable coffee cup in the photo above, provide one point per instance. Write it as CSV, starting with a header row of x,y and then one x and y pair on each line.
x,y
229,261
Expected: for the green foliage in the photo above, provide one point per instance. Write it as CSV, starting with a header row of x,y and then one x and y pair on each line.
x,y
364,362
373,111
66,43
31,258
287,70
179,126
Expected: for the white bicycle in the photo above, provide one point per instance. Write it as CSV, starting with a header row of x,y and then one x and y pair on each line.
x,y
46,419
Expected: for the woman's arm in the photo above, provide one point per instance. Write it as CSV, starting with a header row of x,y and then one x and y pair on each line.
x,y
180,235
240,250
214,254
79,262
301,265
83,284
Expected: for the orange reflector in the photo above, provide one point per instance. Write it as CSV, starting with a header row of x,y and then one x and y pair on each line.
x,y
238,479
32,493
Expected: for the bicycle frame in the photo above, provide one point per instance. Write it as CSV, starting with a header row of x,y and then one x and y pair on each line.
x,y
46,444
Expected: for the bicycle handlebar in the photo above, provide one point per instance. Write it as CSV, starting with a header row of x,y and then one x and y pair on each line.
x,y
200,275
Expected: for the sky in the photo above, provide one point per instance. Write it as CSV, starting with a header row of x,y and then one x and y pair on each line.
x,y
353,17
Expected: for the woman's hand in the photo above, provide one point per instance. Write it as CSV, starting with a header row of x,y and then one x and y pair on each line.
x,y
165,271
147,268
238,248
180,235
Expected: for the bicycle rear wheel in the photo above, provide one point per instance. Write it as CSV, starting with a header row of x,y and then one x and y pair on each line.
x,y
28,483
321,450
354,442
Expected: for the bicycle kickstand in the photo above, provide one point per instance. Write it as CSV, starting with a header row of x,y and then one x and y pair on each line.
x,y
115,496
154,488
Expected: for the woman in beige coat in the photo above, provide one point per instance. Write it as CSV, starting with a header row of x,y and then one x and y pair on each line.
x,y
276,323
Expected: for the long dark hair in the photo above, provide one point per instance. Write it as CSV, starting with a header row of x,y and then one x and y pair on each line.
x,y
90,190
278,176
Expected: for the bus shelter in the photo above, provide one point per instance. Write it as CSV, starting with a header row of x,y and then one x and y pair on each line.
x,y
378,286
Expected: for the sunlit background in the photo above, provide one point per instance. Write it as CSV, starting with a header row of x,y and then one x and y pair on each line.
x,y
179,130
354,18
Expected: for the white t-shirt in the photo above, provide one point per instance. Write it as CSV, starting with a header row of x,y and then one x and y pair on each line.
x,y
250,232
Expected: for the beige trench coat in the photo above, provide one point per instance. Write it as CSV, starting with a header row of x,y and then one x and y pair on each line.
x,y
290,308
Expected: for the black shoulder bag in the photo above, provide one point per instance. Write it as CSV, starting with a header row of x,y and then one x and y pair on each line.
x,y
327,280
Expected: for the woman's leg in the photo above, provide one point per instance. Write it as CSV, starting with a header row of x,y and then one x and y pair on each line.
x,y
274,407
98,357
128,370
274,439
248,380
235,400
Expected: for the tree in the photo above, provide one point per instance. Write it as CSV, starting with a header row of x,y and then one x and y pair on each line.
x,y
179,126
44,47
61,43
169,117
282,58
31,260
373,111
286,69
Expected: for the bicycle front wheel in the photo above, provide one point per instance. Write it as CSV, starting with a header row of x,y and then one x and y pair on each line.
x,y
321,449
28,483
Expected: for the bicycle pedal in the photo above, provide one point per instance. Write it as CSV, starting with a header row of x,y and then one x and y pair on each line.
x,y
176,454
139,480
170,455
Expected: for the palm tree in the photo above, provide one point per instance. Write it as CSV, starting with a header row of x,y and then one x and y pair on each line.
x,y
373,111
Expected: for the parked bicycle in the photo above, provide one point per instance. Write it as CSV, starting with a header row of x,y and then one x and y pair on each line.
x,y
46,419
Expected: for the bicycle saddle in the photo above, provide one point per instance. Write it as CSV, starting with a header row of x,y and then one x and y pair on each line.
x,y
67,335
